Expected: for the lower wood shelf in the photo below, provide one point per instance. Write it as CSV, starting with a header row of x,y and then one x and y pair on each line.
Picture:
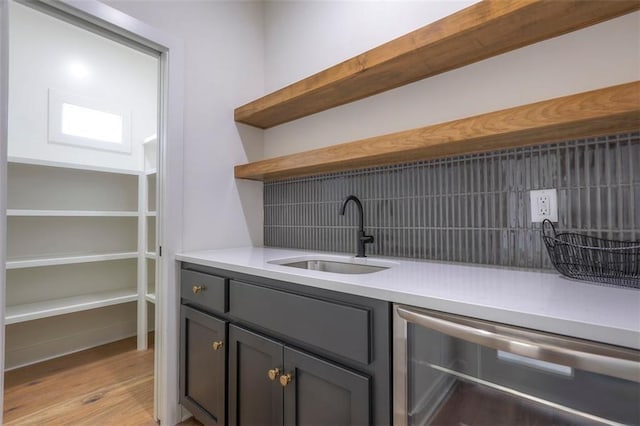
x,y
600,112
31,311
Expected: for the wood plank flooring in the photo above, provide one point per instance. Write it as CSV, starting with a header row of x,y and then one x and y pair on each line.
x,y
107,385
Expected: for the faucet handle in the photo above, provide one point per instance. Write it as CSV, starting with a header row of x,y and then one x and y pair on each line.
x,y
366,239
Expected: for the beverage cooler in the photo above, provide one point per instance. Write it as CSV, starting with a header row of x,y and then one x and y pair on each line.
x,y
453,370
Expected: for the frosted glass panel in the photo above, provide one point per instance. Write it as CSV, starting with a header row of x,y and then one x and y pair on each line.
x,y
91,123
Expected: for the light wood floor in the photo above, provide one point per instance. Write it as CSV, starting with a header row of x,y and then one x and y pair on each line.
x,y
107,385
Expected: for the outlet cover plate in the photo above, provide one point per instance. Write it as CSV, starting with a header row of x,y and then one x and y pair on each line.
x,y
544,205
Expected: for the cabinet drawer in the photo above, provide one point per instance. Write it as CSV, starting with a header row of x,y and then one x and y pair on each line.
x,y
207,291
341,329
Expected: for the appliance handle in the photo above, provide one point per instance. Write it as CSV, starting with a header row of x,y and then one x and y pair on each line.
x,y
597,358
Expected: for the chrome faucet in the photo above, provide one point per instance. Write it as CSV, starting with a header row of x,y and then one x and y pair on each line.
x,y
362,238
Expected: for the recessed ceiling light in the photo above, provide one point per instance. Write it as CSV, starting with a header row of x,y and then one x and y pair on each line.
x,y
78,70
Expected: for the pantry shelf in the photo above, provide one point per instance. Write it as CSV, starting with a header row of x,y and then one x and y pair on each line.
x,y
478,32
73,166
600,112
68,260
49,308
70,213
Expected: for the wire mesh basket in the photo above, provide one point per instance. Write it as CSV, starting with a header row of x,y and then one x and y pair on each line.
x,y
588,258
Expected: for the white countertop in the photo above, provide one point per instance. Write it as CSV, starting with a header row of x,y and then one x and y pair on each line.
x,y
538,300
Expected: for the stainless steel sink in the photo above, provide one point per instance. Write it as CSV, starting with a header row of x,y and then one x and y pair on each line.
x,y
335,266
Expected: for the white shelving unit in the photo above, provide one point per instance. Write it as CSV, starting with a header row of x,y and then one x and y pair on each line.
x,y
150,146
147,236
75,243
49,308
150,254
69,213
66,165
69,260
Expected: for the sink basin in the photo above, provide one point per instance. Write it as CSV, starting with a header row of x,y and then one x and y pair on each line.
x,y
344,265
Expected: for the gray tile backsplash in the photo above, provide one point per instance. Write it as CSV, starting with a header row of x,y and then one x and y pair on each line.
x,y
472,208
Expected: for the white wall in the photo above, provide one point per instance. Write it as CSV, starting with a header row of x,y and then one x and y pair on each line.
x,y
223,66
117,75
305,37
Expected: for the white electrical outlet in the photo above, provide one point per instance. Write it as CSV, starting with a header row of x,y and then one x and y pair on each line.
x,y
544,205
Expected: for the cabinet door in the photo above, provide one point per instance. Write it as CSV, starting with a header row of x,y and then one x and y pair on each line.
x,y
254,399
203,366
322,393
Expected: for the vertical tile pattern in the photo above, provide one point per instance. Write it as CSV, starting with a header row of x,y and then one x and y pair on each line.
x,y
473,208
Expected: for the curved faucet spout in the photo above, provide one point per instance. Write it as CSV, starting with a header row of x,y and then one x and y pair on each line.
x,y
362,238
360,211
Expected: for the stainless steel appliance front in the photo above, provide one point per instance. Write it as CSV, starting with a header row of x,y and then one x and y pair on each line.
x,y
450,369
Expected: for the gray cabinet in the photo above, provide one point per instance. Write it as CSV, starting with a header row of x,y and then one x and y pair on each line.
x,y
296,355
254,399
273,384
339,328
323,393
203,365
206,291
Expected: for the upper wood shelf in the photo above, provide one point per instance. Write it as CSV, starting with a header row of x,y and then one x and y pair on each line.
x,y
596,113
480,31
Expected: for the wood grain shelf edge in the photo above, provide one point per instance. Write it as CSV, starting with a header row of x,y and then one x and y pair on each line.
x,y
480,31
595,113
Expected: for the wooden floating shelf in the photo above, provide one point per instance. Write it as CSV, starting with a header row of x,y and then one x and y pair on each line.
x,y
49,308
478,32
596,113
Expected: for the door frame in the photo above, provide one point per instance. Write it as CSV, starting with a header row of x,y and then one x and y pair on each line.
x,y
4,117
170,181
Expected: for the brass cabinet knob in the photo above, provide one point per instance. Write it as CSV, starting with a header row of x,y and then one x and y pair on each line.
x,y
273,374
197,289
285,379
217,345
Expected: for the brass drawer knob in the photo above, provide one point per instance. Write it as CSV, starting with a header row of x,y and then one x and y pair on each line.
x,y
197,289
218,345
273,374
285,379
